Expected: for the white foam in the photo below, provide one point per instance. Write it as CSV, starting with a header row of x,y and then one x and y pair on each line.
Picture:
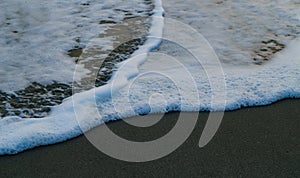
x,y
36,36
20,134
236,29
177,80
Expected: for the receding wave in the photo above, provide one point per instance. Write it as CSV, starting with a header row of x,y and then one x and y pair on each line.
x,y
134,89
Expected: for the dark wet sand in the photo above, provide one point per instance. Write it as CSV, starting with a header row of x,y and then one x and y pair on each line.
x,y
251,142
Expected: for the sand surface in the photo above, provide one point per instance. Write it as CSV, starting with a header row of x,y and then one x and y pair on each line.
x,y
251,142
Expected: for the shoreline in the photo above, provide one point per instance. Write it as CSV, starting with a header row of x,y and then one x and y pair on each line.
x,y
251,88
256,141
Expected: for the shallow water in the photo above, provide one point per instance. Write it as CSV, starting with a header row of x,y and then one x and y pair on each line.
x,y
242,33
42,43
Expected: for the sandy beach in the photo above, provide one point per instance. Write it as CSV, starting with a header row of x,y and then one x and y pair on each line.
x,y
251,142
199,55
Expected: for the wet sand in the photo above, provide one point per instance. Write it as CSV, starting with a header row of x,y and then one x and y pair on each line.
x,y
251,142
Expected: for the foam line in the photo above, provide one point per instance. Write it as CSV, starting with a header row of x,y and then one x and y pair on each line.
x,y
253,86
17,134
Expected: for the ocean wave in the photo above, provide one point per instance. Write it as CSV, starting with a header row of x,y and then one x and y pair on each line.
x,y
154,83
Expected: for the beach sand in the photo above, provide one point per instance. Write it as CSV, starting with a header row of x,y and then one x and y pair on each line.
x,y
251,142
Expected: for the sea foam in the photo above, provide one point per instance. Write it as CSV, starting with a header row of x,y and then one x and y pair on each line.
x,y
36,36
19,134
150,83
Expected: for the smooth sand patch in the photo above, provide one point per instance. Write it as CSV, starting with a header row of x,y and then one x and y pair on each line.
x,y
251,142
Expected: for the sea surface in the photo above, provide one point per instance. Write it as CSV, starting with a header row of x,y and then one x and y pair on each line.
x,y
67,67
